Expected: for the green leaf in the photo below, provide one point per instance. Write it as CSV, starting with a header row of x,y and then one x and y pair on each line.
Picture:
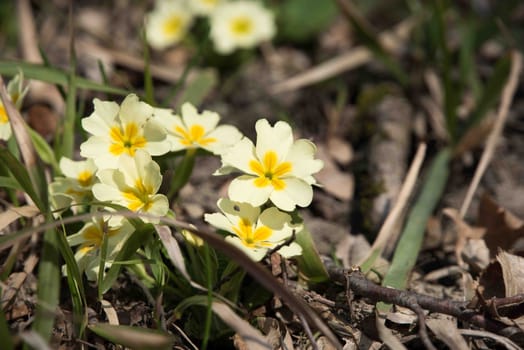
x,y
197,89
42,148
141,235
67,135
301,20
491,92
20,173
5,335
370,39
76,285
54,76
9,182
310,266
134,337
410,241
48,291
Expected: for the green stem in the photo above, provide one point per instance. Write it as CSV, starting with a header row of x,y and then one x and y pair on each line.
x,y
183,172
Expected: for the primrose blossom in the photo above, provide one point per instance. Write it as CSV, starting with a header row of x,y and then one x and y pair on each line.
x,y
253,231
118,130
194,130
276,169
75,186
134,185
168,23
90,239
240,24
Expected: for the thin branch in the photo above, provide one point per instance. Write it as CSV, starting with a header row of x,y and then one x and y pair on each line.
x,y
360,285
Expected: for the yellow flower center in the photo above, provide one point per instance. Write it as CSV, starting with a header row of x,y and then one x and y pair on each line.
x,y
269,171
85,177
94,235
126,140
250,238
3,115
172,26
139,197
195,135
241,26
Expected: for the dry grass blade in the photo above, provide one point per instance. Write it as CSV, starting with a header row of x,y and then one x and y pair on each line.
x,y
502,113
250,335
14,213
31,53
109,310
483,334
446,330
347,61
386,335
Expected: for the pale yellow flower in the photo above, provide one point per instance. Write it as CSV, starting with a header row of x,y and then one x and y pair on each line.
x,y
75,187
204,7
118,130
168,23
134,185
90,239
277,168
240,24
197,130
254,232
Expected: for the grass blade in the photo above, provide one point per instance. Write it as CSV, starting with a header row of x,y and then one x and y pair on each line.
x,y
411,240
54,76
370,40
48,286
491,91
21,175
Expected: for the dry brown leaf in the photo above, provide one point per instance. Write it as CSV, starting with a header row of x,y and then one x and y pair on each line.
x,y
340,150
445,328
13,213
386,335
251,337
464,233
503,229
276,333
512,272
334,181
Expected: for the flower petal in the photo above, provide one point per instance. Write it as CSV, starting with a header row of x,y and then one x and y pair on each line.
x,y
291,250
240,155
278,138
133,110
220,221
226,136
242,189
296,192
301,155
254,253
235,210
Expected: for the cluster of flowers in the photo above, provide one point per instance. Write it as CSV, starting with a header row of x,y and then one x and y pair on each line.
x,y
119,169
234,24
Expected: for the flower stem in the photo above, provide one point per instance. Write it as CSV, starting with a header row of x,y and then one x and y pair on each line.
x,y
182,174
